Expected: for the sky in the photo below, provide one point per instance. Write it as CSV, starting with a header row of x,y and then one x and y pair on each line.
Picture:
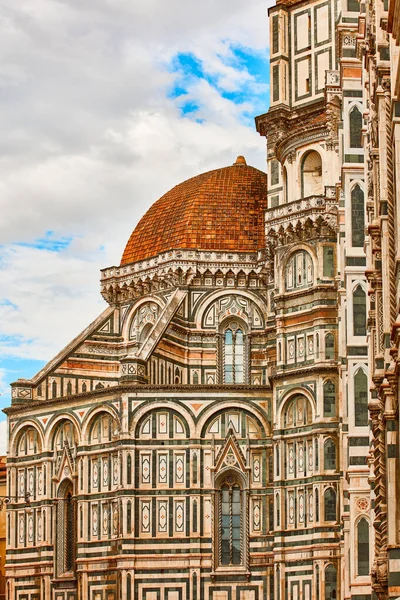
x,y
104,106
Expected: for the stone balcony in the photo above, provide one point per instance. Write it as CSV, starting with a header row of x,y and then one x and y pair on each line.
x,y
303,217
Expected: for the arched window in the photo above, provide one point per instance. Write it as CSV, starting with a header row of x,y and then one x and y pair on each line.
x,y
330,504
299,271
355,128
357,217
177,376
329,346
277,460
84,387
230,521
69,388
311,174
54,389
363,547
359,312
316,505
360,399
129,469
330,583
128,587
233,354
317,581
66,529
298,412
278,512
316,452
129,517
329,399
329,455
285,185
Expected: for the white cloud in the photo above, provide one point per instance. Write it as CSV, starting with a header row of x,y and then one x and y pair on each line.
x,y
3,438
90,138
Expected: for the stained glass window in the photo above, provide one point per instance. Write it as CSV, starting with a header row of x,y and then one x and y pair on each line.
x,y
329,455
233,356
231,525
359,312
360,399
330,504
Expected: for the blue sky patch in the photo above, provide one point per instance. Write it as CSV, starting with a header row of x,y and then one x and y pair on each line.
x,y
17,368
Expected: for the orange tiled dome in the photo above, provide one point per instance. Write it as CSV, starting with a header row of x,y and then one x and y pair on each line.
x,y
218,210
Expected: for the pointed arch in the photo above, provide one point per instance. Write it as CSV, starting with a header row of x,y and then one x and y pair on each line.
x,y
355,120
360,398
359,311
363,550
357,217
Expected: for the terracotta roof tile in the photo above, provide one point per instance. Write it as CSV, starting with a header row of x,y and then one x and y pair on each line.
x,y
218,210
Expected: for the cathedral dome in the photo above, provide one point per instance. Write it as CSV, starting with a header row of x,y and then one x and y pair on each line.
x,y
219,210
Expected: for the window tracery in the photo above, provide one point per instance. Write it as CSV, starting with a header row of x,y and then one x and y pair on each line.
x,y
299,271
233,354
231,521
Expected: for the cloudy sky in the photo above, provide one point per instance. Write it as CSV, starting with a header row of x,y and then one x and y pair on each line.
x,y
104,106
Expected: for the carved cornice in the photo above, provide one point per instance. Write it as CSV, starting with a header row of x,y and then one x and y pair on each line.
x,y
180,268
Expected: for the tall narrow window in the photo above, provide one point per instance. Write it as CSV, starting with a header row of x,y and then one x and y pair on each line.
x,y
69,388
128,587
330,583
311,174
360,399
359,312
329,399
330,504
329,347
233,355
316,505
328,261
285,185
275,34
54,389
329,455
363,547
357,217
231,526
67,529
275,83
129,469
355,128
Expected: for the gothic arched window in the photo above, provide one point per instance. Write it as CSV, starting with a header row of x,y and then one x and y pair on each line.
x,y
311,174
363,547
360,399
329,455
66,529
330,504
233,354
329,399
299,271
330,583
359,311
231,522
355,128
329,346
357,217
